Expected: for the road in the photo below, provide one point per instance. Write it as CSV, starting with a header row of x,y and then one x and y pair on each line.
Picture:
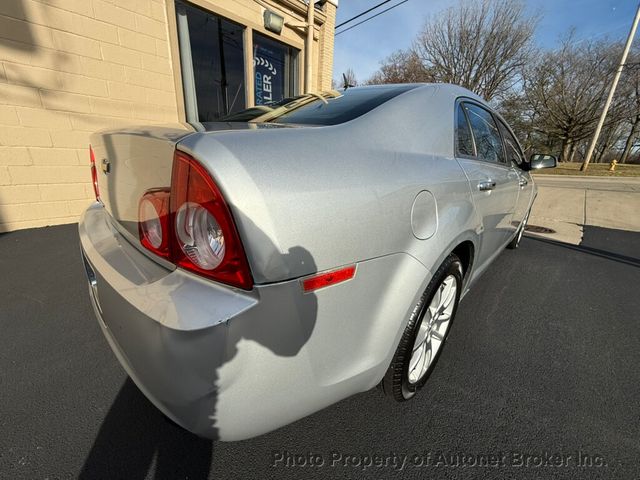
x,y
611,184
542,360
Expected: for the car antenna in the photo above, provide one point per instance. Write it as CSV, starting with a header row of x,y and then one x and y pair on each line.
x,y
346,82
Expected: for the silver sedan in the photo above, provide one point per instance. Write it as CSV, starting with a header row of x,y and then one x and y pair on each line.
x,y
249,272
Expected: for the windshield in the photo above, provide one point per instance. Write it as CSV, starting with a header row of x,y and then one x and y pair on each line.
x,y
327,108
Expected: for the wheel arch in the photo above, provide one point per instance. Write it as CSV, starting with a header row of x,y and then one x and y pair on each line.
x,y
466,246
465,251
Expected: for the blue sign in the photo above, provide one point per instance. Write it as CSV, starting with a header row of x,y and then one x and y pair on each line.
x,y
268,63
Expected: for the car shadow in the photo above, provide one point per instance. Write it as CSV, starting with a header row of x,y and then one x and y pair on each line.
x,y
135,435
611,244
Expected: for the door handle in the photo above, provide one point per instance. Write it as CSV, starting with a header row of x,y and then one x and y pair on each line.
x,y
486,186
522,182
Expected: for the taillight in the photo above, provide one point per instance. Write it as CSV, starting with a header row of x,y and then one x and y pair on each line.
x,y
200,236
94,173
192,226
204,238
153,224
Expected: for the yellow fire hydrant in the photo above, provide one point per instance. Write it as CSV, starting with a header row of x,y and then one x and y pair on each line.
x,y
612,165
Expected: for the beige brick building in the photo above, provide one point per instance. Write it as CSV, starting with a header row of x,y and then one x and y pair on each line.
x,y
71,67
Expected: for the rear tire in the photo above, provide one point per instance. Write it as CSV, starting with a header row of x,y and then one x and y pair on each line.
x,y
425,334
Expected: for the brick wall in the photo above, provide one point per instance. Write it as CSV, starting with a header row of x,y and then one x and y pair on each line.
x,y
67,69
71,67
327,35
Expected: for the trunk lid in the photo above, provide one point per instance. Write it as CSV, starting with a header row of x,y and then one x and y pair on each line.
x,y
131,161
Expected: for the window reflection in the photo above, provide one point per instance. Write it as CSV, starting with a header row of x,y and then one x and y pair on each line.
x,y
465,142
274,70
486,134
217,54
511,146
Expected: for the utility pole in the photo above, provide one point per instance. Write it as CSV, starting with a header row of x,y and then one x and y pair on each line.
x,y
616,78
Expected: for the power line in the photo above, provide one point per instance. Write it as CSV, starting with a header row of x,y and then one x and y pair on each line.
x,y
373,16
361,14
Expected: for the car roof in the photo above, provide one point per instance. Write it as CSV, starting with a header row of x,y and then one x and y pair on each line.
x,y
442,88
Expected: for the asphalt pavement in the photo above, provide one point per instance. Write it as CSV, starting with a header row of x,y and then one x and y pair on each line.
x,y
539,379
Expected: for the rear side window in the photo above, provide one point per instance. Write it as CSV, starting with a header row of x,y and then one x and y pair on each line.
x,y
464,141
351,104
486,134
511,146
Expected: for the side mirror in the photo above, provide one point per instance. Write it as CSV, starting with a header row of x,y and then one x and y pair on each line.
x,y
539,160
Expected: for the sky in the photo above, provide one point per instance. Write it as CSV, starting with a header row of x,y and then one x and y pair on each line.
x,y
363,47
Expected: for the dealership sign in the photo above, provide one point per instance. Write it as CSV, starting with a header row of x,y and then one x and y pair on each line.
x,y
268,65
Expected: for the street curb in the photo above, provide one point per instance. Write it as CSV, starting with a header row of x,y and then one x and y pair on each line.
x,y
586,177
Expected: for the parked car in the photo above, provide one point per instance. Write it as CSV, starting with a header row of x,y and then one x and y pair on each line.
x,y
249,274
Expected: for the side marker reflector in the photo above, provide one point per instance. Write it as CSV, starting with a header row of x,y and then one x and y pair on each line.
x,y
325,279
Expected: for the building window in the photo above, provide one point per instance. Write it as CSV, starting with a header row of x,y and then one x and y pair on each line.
x,y
212,60
275,70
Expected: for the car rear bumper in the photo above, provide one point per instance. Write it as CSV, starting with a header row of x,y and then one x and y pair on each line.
x,y
230,364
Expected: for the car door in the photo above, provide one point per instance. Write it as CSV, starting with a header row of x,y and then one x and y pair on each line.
x,y
515,158
493,182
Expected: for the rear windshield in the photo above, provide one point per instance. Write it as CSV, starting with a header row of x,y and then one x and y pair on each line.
x,y
336,106
350,104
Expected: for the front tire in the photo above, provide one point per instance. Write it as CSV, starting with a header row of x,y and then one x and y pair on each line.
x,y
425,333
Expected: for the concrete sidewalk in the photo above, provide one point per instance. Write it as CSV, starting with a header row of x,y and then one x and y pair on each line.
x,y
566,203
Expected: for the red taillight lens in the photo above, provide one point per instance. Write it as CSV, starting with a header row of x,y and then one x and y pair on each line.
x,y
204,238
191,225
153,223
94,173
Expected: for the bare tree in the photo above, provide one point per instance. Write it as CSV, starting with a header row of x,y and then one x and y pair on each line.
x,y
479,44
349,78
402,66
609,138
520,117
551,98
631,86
631,138
567,87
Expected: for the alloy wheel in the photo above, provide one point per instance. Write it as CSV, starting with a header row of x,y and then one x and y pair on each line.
x,y
433,329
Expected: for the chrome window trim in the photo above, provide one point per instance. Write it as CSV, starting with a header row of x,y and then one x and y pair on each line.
x,y
456,151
